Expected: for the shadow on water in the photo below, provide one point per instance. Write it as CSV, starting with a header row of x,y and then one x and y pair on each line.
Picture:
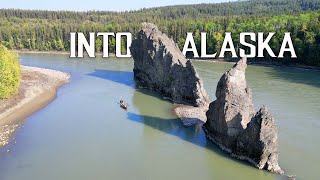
x,y
174,126
125,78
121,77
192,134
308,77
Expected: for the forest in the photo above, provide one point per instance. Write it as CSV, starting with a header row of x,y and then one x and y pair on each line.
x,y
50,30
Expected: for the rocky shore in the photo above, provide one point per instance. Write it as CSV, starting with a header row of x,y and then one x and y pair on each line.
x,y
191,115
38,88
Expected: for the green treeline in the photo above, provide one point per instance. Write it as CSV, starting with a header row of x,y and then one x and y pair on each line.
x,y
9,73
49,30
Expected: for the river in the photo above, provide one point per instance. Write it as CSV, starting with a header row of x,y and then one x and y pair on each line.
x,y
84,134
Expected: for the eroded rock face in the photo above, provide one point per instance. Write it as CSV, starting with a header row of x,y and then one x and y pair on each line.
x,y
259,142
159,65
233,109
234,126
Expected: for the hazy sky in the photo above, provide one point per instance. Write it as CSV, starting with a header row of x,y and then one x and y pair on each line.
x,y
82,5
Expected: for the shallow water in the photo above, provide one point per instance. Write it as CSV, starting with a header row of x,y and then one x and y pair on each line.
x,y
84,134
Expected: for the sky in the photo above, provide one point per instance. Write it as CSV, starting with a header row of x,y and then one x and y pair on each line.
x,y
85,5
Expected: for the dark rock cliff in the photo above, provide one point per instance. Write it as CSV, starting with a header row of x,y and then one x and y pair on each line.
x,y
159,65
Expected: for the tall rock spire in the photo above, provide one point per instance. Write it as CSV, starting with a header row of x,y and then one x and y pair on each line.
x,y
234,126
159,65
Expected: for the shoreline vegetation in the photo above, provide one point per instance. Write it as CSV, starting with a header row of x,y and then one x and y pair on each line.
x,y
272,63
38,87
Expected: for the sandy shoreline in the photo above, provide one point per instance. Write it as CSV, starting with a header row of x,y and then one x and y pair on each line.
x,y
38,88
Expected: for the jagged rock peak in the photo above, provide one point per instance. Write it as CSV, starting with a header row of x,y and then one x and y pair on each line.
x,y
233,124
259,142
241,65
233,108
159,65
162,40
151,26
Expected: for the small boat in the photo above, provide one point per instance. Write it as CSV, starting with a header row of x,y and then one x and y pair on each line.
x,y
123,105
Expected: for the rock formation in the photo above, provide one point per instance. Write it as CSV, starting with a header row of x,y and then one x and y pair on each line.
x,y
259,142
232,110
234,126
231,120
159,65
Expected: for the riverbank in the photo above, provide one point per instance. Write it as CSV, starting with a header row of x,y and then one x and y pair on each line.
x,y
54,52
38,88
250,62
40,52
263,63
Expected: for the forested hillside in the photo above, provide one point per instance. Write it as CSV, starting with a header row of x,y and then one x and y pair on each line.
x,y
49,30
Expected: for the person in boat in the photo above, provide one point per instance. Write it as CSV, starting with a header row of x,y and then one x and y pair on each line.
x,y
123,104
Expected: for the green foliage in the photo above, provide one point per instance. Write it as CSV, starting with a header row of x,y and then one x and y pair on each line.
x,y
50,30
98,45
9,73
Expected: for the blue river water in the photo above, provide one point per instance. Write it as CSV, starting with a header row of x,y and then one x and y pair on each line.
x,y
83,134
